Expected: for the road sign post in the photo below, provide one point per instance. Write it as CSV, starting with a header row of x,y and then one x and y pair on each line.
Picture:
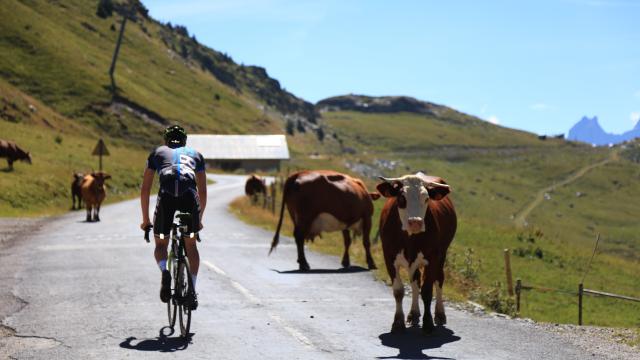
x,y
100,150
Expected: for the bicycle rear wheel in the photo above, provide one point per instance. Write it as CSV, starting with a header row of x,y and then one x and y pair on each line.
x,y
172,304
184,311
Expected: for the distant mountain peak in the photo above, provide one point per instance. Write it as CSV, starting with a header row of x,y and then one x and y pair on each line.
x,y
589,130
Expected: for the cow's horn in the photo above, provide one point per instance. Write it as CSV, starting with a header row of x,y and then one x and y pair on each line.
x,y
388,179
438,184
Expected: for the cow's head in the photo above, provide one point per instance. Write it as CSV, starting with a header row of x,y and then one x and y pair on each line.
x,y
100,177
28,158
413,193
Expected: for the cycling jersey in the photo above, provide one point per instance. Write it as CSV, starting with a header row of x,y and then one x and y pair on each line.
x,y
176,168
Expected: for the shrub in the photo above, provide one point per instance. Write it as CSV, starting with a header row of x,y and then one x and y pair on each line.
x,y
497,300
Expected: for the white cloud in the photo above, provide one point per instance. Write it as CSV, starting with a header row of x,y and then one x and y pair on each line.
x,y
539,107
493,119
635,117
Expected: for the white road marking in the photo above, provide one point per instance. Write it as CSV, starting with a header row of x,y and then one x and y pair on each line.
x,y
247,294
92,246
292,331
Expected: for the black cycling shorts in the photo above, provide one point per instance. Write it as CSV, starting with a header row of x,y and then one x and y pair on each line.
x,y
166,207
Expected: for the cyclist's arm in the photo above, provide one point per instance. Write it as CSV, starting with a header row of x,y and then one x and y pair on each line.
x,y
145,192
201,183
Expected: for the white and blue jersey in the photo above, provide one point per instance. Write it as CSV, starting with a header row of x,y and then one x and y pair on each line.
x,y
176,168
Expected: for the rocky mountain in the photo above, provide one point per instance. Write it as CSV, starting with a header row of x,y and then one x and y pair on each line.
x,y
589,130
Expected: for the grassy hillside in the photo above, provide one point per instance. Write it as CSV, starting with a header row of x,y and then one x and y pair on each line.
x,y
59,147
57,55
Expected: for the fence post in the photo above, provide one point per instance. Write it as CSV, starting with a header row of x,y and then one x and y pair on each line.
x,y
273,198
518,291
580,291
507,268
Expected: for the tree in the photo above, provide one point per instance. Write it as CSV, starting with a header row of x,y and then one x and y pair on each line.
x,y
289,126
105,9
320,134
300,127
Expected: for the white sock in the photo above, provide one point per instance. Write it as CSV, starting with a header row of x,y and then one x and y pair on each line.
x,y
193,281
162,264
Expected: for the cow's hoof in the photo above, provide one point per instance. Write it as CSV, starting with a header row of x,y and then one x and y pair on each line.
x,y
97,219
304,266
413,319
398,326
88,219
371,265
427,324
440,319
346,263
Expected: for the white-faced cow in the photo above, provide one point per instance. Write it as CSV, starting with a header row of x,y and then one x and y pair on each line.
x,y
93,193
326,201
417,224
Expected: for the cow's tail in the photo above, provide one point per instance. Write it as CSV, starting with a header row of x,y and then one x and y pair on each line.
x,y
276,237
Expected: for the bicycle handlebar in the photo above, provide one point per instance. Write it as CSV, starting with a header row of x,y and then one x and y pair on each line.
x,y
147,229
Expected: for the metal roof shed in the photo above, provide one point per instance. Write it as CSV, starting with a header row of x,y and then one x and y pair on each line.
x,y
249,152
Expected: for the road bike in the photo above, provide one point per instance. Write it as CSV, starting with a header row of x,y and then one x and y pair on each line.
x,y
178,266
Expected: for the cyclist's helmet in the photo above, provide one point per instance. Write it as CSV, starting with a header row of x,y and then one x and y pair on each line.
x,y
175,136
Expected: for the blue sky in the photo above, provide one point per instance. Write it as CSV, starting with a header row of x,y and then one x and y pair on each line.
x,y
533,65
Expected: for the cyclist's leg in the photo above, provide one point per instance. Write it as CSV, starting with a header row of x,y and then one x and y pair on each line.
x,y
162,220
191,204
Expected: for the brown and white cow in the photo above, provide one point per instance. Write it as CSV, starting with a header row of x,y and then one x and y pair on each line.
x,y
76,192
12,152
93,193
255,185
417,224
326,201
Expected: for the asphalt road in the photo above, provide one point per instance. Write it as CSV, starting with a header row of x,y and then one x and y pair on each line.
x,y
76,290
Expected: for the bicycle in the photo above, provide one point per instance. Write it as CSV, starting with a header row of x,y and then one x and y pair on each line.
x,y
178,265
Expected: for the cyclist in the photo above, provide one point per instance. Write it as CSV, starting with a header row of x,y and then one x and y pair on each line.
x,y
183,187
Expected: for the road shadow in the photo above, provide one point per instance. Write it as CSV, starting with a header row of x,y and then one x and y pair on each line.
x,y
162,343
349,270
413,341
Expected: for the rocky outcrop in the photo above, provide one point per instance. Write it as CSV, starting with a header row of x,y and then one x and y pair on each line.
x,y
382,104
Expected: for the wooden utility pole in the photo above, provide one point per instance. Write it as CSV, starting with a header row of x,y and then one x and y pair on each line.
x,y
112,68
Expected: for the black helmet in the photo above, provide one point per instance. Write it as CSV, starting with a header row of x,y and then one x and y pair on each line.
x,y
175,136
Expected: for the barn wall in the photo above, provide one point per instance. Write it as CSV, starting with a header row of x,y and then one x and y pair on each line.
x,y
247,165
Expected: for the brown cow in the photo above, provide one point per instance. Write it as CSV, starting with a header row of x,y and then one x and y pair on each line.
x,y
12,152
76,192
93,193
255,185
417,224
325,201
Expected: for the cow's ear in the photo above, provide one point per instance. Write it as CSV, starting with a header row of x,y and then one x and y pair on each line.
x,y
107,176
388,189
437,192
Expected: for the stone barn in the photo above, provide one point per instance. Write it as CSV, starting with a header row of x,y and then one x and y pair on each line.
x,y
246,152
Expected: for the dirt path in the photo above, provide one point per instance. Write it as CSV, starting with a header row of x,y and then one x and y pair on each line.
x,y
521,219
